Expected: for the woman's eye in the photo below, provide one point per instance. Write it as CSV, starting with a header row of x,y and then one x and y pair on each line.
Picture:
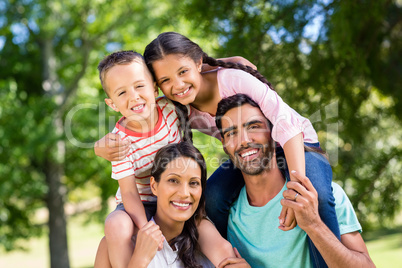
x,y
172,180
195,183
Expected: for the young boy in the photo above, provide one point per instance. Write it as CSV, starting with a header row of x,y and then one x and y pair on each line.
x,y
149,125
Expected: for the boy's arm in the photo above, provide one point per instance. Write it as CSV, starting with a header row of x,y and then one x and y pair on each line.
x,y
111,147
132,201
212,244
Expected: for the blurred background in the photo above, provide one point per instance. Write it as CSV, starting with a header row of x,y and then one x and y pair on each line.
x,y
339,63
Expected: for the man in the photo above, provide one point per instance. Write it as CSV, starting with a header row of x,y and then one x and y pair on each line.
x,y
253,221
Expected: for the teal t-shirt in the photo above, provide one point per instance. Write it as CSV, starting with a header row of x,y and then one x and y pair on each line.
x,y
254,231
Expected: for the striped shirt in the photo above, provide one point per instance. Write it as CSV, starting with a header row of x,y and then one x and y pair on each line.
x,y
144,146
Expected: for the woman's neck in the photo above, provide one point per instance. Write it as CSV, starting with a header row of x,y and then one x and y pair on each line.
x,y
208,96
170,230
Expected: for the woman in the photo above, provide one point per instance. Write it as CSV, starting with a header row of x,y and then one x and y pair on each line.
x,y
178,180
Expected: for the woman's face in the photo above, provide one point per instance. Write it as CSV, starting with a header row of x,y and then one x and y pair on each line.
x,y
179,190
178,77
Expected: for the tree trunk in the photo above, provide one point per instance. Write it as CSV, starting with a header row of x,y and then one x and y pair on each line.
x,y
54,168
55,203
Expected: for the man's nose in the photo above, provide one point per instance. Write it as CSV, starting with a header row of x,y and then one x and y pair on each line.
x,y
244,138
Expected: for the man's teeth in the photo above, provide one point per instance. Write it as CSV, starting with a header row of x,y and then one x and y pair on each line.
x,y
249,153
181,204
184,92
139,107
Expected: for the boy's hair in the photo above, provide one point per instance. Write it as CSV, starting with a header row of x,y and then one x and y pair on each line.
x,y
231,102
187,241
116,58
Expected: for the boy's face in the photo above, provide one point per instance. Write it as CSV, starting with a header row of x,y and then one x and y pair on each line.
x,y
132,91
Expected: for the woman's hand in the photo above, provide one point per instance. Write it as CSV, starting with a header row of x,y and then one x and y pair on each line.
x,y
236,262
149,239
112,148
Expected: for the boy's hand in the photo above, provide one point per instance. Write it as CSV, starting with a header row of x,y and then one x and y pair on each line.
x,y
112,148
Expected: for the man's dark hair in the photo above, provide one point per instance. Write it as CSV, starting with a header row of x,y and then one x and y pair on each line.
x,y
231,102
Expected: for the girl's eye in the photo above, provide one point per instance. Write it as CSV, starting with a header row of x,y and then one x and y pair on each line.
x,y
183,71
163,81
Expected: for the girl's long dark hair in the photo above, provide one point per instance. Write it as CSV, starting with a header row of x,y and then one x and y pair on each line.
x,y
187,241
174,43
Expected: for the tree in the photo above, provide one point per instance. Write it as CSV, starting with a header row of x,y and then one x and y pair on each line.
x,y
49,54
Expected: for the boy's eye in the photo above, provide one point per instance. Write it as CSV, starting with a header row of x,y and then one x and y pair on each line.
x,y
121,93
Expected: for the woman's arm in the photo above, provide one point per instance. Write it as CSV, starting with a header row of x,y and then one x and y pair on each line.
x,y
111,147
212,244
148,239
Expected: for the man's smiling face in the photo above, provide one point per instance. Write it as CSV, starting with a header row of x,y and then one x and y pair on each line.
x,y
247,139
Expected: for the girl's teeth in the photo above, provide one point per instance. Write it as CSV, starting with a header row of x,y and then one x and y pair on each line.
x,y
184,92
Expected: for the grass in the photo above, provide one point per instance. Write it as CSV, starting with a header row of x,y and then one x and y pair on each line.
x,y
385,247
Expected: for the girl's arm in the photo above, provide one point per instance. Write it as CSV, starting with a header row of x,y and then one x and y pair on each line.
x,y
132,201
148,239
212,244
235,59
111,147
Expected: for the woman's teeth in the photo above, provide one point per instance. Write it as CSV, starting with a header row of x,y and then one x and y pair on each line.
x,y
181,204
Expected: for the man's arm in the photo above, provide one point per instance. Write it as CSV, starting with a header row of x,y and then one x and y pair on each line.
x,y
351,251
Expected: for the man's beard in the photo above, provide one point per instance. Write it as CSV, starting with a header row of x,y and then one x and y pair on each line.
x,y
257,165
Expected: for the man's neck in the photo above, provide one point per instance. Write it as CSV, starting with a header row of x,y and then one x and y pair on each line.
x,y
265,186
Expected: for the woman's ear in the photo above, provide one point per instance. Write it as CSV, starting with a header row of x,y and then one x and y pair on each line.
x,y
153,185
110,103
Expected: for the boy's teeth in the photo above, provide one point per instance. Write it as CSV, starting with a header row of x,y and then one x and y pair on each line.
x,y
139,107
181,204
184,92
249,153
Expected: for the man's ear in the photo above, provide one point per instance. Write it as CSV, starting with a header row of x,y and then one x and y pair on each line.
x,y
110,103
153,185
224,147
156,92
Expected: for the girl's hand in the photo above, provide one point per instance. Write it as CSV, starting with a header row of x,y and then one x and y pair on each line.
x,y
303,199
287,220
237,262
112,148
149,239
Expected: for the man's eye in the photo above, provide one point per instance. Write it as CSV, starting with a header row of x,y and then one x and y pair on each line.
x,y
163,81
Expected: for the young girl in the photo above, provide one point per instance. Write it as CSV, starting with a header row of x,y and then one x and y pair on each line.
x,y
178,180
175,61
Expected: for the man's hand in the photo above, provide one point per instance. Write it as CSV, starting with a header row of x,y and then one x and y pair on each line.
x,y
112,148
237,262
303,199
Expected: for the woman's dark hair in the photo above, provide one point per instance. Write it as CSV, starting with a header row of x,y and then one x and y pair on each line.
x,y
187,241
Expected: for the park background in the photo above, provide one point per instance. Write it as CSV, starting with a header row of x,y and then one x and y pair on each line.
x,y
337,63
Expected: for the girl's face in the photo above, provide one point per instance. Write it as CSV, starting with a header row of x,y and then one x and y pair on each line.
x,y
178,77
179,190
